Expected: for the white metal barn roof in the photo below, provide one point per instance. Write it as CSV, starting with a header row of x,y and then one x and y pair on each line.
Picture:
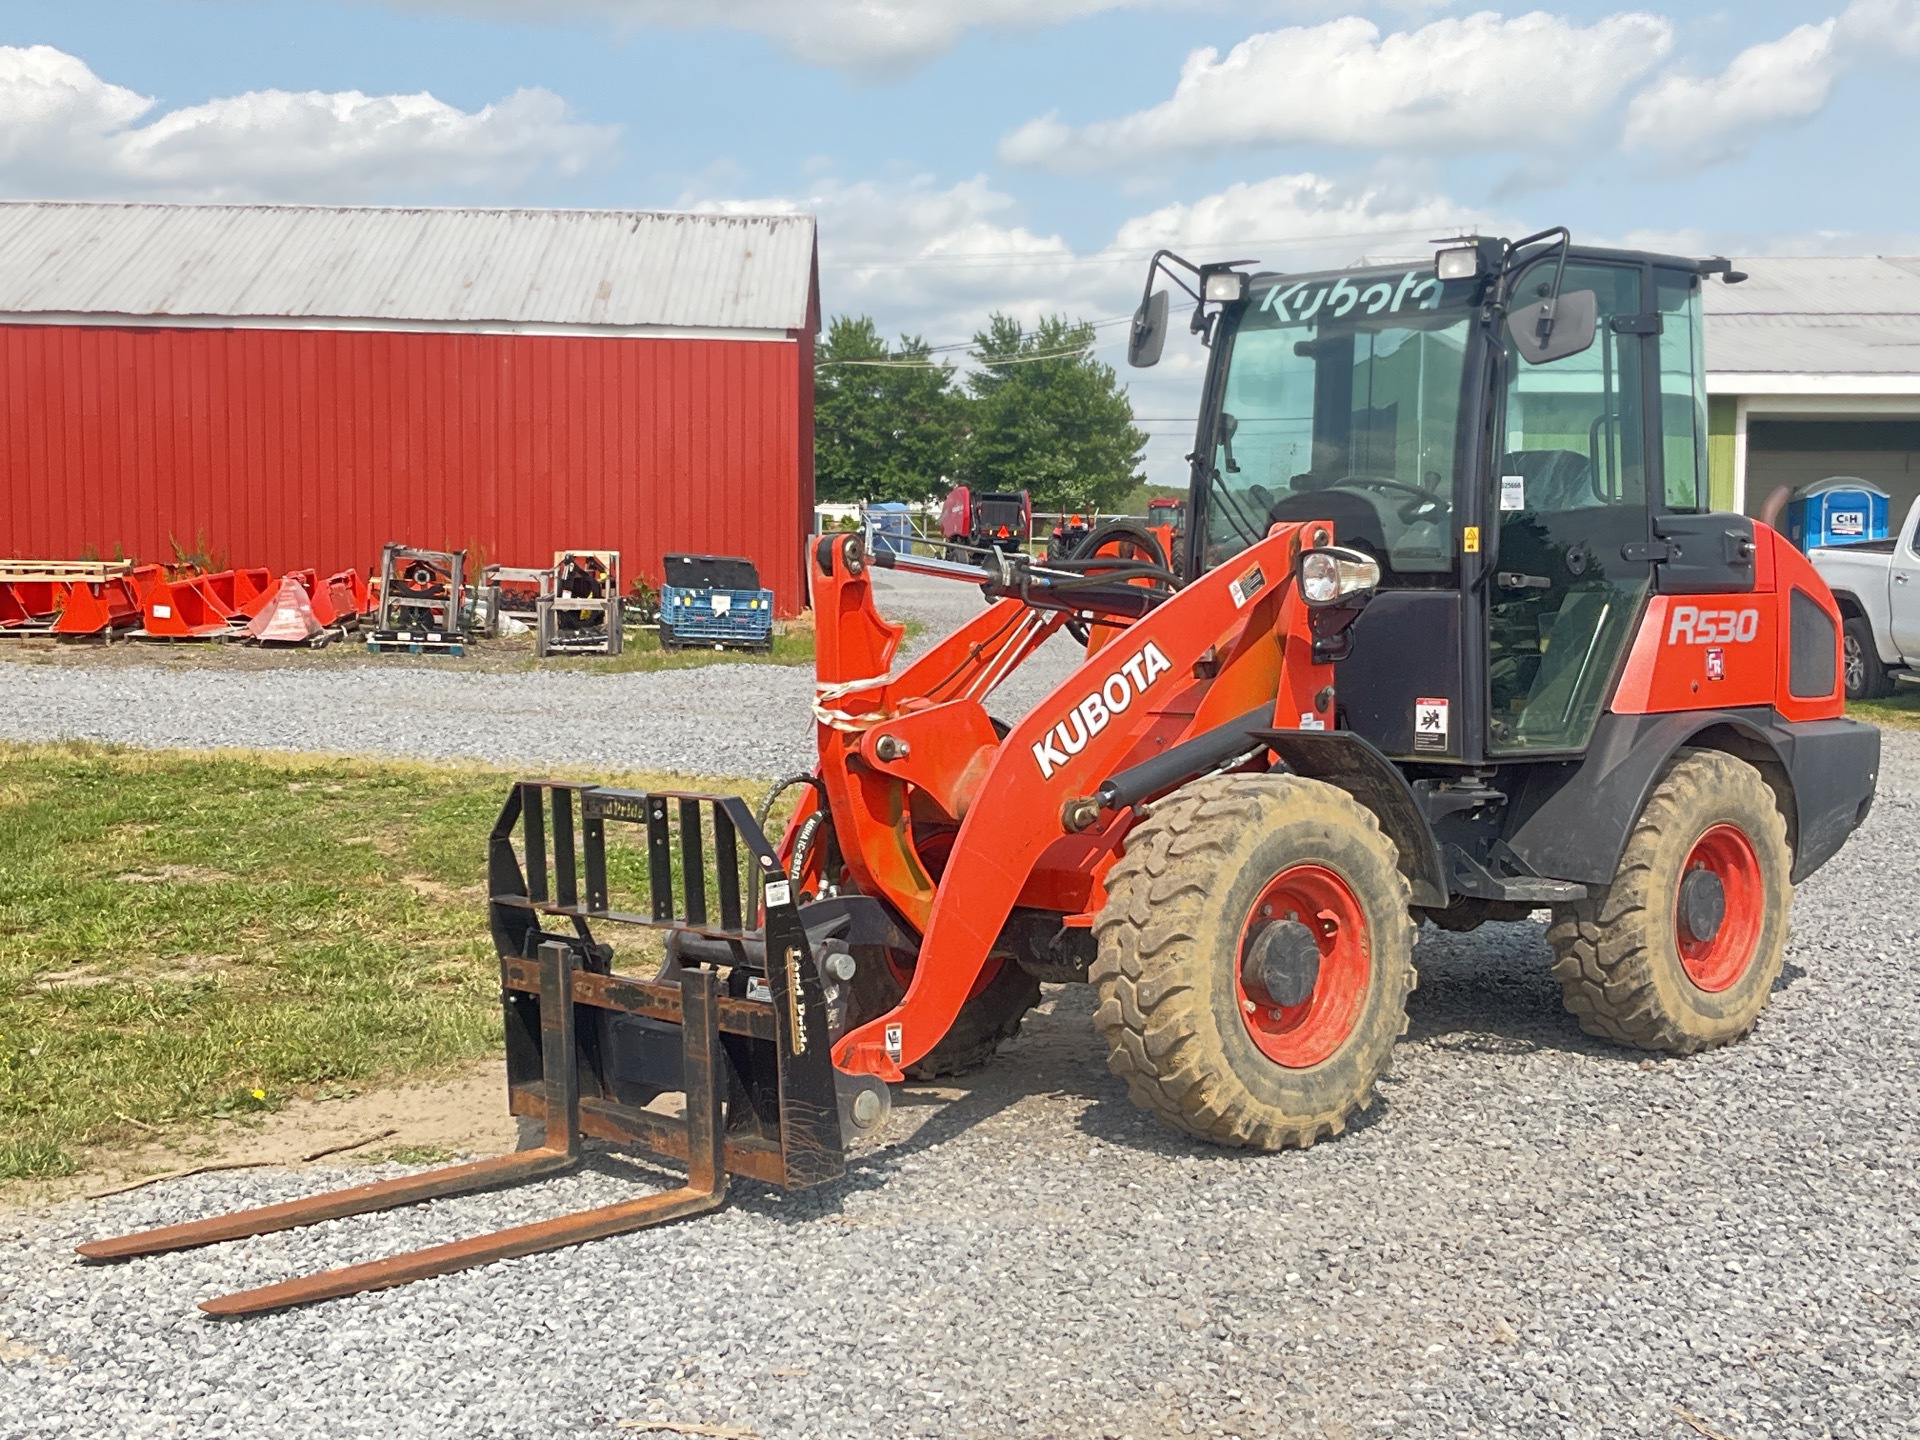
x,y
1830,315
619,269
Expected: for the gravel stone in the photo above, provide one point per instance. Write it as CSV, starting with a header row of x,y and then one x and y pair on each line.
x,y
744,720
1532,1234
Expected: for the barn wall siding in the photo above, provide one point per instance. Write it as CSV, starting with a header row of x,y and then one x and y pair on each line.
x,y
288,448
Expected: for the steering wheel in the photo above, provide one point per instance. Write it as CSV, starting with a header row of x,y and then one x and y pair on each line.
x,y
1423,500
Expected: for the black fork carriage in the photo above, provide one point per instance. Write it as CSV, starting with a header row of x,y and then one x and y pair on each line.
x,y
736,1021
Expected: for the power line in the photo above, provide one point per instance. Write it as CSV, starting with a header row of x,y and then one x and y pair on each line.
x,y
1004,259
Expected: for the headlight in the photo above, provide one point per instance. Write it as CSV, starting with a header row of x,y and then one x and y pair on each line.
x,y
1460,262
1330,575
1229,287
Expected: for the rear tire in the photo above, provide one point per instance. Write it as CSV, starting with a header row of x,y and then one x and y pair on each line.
x,y
1866,676
1184,902
1629,968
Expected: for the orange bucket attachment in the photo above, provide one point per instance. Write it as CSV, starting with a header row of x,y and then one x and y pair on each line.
x,y
24,601
287,618
96,606
182,610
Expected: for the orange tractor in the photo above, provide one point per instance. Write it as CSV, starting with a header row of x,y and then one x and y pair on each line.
x,y
1459,638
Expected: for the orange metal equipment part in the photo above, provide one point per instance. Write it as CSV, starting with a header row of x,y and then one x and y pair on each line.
x,y
182,610
24,602
96,607
237,590
907,758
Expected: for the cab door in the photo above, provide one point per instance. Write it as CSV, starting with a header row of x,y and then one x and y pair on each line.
x,y
1571,500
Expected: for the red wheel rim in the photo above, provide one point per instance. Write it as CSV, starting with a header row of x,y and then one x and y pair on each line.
x,y
1298,1036
1716,964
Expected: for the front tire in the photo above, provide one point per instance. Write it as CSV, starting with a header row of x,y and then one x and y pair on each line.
x,y
1641,962
1217,872
1866,676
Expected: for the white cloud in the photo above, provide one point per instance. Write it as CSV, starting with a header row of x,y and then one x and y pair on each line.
x,y
1479,81
1296,222
1882,27
935,261
66,132
844,34
1778,82
1698,120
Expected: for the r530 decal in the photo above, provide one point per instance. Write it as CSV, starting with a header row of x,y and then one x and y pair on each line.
x,y
1690,625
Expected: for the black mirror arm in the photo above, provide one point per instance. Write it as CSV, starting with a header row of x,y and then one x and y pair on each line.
x,y
1565,236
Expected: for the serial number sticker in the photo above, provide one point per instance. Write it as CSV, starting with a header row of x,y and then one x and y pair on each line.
x,y
779,892
1310,721
1513,492
1430,725
1246,587
895,1042
163,612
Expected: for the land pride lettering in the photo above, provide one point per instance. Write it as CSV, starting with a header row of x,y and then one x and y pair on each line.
x,y
1347,295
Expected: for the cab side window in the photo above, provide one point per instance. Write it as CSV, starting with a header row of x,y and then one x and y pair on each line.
x,y
1683,391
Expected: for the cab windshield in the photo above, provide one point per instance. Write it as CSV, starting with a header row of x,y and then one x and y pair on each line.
x,y
1342,403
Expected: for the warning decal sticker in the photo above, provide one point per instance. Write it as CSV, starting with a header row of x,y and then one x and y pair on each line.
x,y
1246,587
1430,725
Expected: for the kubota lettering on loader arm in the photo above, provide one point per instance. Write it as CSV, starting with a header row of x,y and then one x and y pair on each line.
x,y
1009,814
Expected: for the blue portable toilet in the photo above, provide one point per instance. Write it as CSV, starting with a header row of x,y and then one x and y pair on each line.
x,y
1837,511
890,528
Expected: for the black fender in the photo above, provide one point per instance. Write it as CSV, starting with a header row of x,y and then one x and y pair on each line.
x,y
1346,761
1570,820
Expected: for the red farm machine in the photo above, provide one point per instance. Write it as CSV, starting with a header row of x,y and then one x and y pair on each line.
x,y
1459,638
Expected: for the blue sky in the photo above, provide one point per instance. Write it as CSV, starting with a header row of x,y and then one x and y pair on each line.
x,y
1024,154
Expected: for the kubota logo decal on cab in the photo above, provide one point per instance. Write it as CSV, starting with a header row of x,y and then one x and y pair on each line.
x,y
1691,625
1087,719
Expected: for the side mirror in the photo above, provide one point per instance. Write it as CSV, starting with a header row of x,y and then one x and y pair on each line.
x,y
1575,321
1148,337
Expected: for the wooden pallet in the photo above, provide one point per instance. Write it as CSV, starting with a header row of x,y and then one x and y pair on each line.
x,y
70,571
385,643
218,637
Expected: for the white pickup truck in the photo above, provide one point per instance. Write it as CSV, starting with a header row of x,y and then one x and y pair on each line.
x,y
1877,583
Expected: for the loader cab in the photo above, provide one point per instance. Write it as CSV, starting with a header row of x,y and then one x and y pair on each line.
x,y
1514,504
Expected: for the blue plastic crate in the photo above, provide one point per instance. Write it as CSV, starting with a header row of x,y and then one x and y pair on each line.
x,y
716,617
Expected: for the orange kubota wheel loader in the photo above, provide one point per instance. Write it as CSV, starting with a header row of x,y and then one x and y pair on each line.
x,y
1453,633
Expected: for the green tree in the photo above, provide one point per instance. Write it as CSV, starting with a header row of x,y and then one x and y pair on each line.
x,y
1049,418
887,419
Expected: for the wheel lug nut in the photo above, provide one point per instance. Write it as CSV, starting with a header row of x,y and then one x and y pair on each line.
x,y
1250,1006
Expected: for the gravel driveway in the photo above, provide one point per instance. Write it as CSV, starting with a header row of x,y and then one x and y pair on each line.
x,y
747,720
1532,1235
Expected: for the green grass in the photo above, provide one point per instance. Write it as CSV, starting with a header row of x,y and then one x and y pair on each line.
x,y
1900,710
191,937
643,651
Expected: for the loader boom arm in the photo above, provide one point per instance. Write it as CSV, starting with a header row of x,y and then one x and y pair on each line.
x,y
906,758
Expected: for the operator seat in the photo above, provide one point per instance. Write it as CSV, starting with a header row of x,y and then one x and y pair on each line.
x,y
1556,480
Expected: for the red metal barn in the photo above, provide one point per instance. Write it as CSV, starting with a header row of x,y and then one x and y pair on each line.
x,y
291,385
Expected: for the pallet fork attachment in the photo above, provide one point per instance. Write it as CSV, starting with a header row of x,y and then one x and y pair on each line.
x,y
760,1090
